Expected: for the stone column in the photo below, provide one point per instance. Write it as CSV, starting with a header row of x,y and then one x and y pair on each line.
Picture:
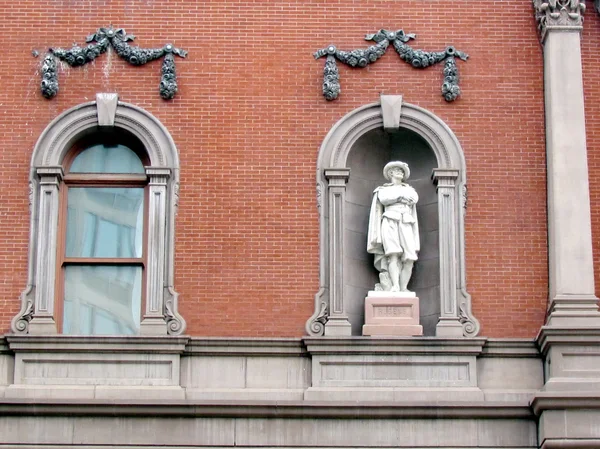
x,y
570,339
337,323
153,318
43,320
572,301
449,324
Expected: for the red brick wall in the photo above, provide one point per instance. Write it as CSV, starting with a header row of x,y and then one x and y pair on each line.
x,y
590,49
249,119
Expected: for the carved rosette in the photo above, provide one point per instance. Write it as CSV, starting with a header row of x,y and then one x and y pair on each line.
x,y
558,14
98,43
417,58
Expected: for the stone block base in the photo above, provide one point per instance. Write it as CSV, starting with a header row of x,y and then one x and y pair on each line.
x,y
393,330
392,314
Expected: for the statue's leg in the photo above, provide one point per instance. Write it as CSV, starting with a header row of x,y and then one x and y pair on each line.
x,y
405,274
394,270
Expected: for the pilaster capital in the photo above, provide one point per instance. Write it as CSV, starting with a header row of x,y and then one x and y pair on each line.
x,y
50,174
445,177
158,176
337,176
559,15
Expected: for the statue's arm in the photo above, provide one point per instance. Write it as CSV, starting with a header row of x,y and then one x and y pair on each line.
x,y
374,243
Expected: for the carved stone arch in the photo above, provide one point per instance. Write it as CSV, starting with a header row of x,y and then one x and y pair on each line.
x,y
330,317
160,315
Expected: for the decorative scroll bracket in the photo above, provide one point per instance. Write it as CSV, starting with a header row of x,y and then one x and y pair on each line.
x,y
417,58
98,43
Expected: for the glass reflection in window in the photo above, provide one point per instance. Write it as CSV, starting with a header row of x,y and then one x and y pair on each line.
x,y
102,300
105,222
105,158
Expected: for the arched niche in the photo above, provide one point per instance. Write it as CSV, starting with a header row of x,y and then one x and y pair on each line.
x,y
349,167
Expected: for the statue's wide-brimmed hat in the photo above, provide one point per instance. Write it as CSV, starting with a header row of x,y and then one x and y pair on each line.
x,y
395,164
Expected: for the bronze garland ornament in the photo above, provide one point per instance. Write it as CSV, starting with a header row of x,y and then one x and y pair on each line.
x,y
98,43
417,58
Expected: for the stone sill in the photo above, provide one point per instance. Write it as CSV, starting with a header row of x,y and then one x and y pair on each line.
x,y
394,345
223,346
96,344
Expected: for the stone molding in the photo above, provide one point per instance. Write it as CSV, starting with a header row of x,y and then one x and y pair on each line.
x,y
570,400
552,335
160,316
506,347
292,347
559,15
405,345
332,157
96,344
263,409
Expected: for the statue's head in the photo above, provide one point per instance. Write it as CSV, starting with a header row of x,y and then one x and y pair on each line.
x,y
395,165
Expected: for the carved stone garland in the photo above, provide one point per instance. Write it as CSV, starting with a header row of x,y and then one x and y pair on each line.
x,y
98,43
417,58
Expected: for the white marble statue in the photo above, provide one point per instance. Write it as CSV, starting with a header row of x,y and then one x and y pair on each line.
x,y
393,235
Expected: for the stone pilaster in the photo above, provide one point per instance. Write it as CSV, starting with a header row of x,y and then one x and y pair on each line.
x,y
449,324
153,318
569,340
572,301
42,321
337,323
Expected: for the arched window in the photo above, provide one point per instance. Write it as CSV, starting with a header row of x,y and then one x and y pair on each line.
x,y
104,192
102,251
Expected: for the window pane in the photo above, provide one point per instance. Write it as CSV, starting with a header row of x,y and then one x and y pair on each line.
x,y
102,300
105,222
103,158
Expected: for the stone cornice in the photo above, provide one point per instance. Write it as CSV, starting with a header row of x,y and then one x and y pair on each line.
x,y
553,335
293,347
561,15
565,400
262,409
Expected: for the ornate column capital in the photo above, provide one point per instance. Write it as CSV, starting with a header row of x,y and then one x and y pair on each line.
x,y
558,15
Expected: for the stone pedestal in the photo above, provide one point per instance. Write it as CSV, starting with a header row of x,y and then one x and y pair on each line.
x,y
392,314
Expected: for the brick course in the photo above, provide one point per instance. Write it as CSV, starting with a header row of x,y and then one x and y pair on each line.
x,y
248,122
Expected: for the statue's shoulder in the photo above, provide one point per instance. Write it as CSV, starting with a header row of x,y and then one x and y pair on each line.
x,y
382,186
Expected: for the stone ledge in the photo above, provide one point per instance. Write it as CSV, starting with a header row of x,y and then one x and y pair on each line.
x,y
571,444
394,345
554,335
96,344
245,346
565,400
508,347
275,409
